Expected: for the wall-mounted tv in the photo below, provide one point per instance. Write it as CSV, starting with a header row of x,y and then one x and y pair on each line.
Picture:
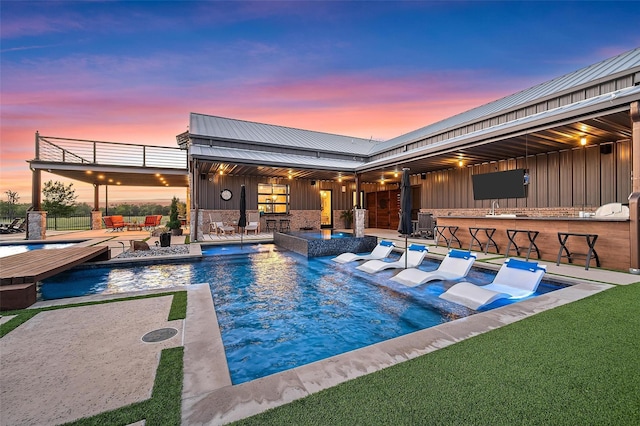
x,y
493,186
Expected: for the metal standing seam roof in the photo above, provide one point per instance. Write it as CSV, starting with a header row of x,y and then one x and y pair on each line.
x,y
592,73
272,158
208,126
621,97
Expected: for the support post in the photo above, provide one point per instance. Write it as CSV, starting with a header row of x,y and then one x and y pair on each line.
x,y
36,190
96,214
635,146
634,198
358,204
96,197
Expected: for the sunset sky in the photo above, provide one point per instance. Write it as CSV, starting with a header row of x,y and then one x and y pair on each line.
x,y
133,71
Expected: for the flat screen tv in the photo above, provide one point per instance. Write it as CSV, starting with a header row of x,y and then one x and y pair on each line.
x,y
493,186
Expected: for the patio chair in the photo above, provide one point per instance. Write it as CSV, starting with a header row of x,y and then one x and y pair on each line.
x,y
217,226
11,225
12,228
22,227
113,225
150,222
515,279
455,266
425,225
414,256
253,223
382,250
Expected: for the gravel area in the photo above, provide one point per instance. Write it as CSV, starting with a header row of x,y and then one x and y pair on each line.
x,y
155,251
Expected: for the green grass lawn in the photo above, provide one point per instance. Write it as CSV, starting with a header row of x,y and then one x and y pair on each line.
x,y
577,364
164,406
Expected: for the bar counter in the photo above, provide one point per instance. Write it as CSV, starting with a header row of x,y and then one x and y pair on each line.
x,y
612,245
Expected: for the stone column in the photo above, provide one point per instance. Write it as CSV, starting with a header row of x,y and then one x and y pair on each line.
x,y
96,219
37,223
196,232
359,220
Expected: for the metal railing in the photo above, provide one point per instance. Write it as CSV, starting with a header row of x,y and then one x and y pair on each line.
x,y
61,150
69,223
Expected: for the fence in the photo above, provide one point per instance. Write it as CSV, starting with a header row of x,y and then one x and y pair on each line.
x,y
69,223
78,222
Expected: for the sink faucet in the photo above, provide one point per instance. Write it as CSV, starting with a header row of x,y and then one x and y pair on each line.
x,y
494,204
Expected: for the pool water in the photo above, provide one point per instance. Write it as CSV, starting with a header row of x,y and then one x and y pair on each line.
x,y
278,310
11,249
323,234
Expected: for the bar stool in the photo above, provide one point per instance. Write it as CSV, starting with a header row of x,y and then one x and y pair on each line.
x,y
285,225
532,235
271,225
591,242
439,231
476,242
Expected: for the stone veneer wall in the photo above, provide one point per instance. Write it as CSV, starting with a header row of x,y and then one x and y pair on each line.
x,y
338,222
530,212
96,219
299,219
321,247
36,225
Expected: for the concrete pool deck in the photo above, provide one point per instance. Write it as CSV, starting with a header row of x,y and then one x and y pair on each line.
x,y
65,364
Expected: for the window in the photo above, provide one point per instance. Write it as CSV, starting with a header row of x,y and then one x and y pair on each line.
x,y
273,198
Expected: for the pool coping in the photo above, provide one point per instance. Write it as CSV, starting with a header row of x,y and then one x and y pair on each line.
x,y
209,397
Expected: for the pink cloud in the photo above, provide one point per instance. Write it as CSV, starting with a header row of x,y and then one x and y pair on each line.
x,y
362,105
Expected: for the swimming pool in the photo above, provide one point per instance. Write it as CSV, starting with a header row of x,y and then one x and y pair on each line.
x,y
278,310
11,249
322,234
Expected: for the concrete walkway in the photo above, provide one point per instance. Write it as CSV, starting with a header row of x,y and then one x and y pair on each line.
x,y
65,364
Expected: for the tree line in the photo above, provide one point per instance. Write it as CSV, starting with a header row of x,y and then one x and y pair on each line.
x,y
60,200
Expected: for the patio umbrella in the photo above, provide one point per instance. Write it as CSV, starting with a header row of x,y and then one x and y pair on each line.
x,y
242,222
405,208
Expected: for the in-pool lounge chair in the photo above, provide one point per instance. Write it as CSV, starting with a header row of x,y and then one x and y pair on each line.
x,y
414,256
382,250
515,279
454,266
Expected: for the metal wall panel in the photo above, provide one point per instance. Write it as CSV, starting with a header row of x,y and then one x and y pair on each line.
x,y
553,180
538,191
578,179
566,179
623,153
522,163
607,176
592,176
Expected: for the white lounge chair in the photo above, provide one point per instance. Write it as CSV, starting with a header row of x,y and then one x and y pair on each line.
x,y
253,223
455,266
515,279
217,225
382,250
414,256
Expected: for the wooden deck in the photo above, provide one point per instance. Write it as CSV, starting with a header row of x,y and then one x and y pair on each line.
x,y
37,265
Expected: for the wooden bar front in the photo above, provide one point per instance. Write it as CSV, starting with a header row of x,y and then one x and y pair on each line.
x,y
612,245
